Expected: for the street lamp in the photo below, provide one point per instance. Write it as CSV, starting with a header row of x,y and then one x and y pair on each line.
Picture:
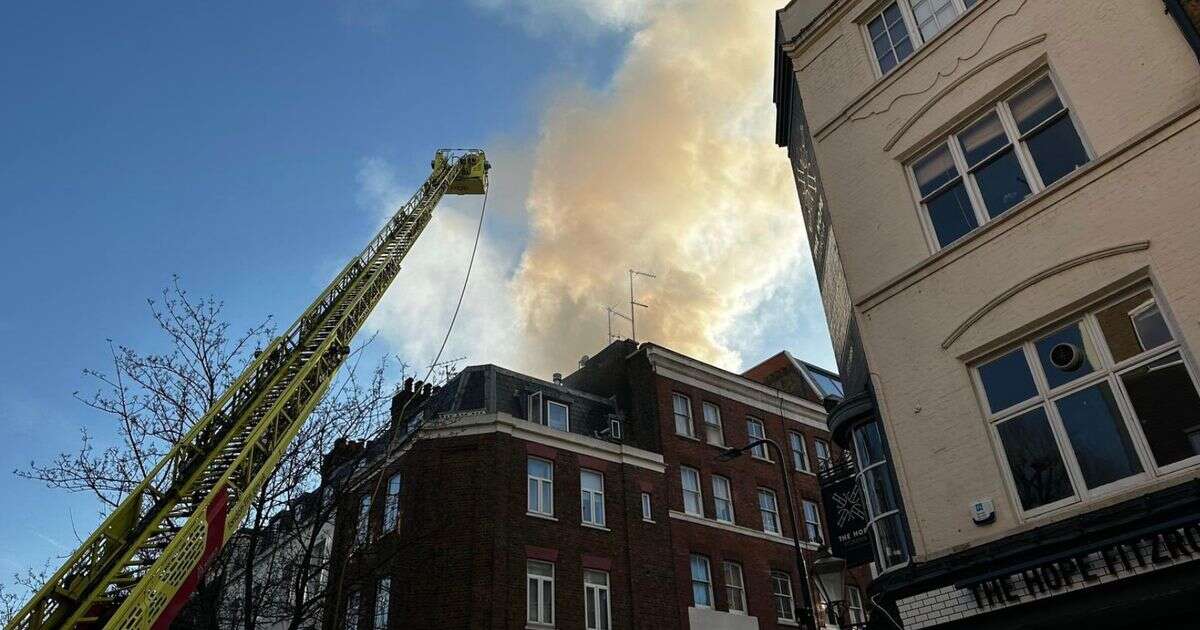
x,y
805,612
830,574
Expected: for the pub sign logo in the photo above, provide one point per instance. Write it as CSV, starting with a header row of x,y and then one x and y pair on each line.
x,y
846,510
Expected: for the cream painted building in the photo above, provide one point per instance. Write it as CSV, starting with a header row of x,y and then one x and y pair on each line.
x,y
1003,200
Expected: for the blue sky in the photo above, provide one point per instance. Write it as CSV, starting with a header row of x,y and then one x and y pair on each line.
x,y
251,148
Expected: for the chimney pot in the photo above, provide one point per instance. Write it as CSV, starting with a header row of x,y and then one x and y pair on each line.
x,y
557,378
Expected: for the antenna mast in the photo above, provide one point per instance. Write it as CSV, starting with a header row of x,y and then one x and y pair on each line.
x,y
633,303
612,311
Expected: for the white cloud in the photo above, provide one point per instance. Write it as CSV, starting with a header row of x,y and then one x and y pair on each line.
x,y
671,168
414,313
539,15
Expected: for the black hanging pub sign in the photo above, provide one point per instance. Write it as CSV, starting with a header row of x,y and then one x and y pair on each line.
x,y
846,510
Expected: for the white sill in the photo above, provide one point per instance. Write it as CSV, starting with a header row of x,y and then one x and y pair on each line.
x,y
763,459
538,626
787,622
647,520
597,527
688,437
545,517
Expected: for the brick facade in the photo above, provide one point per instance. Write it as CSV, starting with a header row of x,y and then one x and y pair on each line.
x,y
459,554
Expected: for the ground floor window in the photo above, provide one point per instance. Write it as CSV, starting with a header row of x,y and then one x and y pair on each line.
x,y
781,590
701,582
735,588
598,615
1099,402
540,580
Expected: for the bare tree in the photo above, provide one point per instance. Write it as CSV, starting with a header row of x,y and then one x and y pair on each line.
x,y
153,399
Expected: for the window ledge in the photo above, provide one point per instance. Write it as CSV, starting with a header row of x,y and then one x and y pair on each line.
x,y
688,437
545,517
763,459
596,527
787,622
539,626
647,520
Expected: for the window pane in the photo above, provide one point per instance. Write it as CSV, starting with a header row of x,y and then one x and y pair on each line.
x,y
712,425
821,447
1065,356
983,139
951,214
881,498
701,593
1007,380
934,170
933,15
592,481
868,444
1133,326
1096,429
1057,150
540,468
683,414
875,28
1002,183
558,416
1168,409
903,46
890,538
799,453
1035,105
1033,457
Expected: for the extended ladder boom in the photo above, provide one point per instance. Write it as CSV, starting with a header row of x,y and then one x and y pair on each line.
x,y
138,568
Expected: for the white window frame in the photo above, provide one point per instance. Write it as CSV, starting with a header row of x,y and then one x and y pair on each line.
x,y
383,599
812,521
799,455
706,581
1105,370
1016,140
391,506
691,425
734,592
536,413
854,605
362,523
719,482
778,578
553,404
760,451
542,584
591,597
711,428
591,499
772,511
823,453
697,492
540,483
873,519
647,512
914,32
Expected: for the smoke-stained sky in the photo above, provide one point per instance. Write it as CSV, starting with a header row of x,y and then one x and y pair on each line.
x,y
668,167
252,148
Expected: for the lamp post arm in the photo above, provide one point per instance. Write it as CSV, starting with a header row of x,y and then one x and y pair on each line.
x,y
801,565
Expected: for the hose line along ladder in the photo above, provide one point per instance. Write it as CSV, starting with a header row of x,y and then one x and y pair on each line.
x,y
138,568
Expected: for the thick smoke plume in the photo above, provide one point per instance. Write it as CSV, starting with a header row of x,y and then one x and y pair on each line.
x,y
671,169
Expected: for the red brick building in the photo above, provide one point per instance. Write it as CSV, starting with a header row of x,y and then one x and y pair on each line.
x,y
507,502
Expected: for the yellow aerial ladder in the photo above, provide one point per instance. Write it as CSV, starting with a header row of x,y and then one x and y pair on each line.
x,y
138,568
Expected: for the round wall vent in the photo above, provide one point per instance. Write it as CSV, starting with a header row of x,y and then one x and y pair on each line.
x,y
1066,357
